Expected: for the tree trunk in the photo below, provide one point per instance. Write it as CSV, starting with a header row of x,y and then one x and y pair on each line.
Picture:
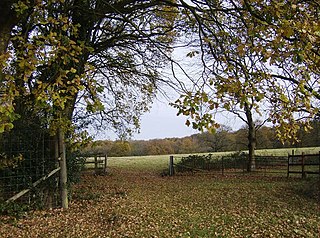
x,y
63,170
8,19
251,139
5,34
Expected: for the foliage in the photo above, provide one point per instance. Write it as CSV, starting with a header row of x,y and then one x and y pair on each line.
x,y
80,62
13,209
250,53
75,165
237,160
120,148
197,162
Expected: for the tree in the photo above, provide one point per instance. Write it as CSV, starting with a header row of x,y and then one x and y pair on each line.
x,y
120,148
217,141
265,138
235,80
249,52
74,61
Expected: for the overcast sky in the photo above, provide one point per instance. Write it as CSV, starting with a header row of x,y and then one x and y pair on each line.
x,y
162,120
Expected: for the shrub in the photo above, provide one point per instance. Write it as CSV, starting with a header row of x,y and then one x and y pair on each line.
x,y
208,162
197,162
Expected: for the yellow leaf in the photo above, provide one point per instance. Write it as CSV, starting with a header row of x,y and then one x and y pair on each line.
x,y
73,70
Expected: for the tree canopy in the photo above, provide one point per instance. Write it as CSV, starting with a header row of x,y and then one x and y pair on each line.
x,y
254,52
67,64
75,60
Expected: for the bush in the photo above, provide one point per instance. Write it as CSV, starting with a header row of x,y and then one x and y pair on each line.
x,y
197,162
208,162
75,164
13,209
238,160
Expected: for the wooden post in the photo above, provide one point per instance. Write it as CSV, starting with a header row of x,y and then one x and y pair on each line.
x,y
243,163
96,164
105,164
302,166
319,164
63,170
292,158
171,168
288,167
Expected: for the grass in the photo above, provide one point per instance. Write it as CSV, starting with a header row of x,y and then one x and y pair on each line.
x,y
135,201
286,151
155,161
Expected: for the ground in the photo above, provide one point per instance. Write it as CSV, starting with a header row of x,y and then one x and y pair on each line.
x,y
135,203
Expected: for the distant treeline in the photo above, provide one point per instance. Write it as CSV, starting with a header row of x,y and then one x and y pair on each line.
x,y
223,140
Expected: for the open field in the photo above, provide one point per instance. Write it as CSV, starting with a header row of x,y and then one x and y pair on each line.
x,y
286,151
133,200
160,162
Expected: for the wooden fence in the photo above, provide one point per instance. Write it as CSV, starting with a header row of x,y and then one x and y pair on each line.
x,y
273,165
99,162
304,164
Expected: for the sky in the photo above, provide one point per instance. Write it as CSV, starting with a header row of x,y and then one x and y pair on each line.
x,y
162,120
159,123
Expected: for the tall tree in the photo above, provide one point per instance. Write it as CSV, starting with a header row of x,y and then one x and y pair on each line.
x,y
254,54
71,61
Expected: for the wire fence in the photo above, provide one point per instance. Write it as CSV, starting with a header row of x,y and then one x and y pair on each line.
x,y
25,158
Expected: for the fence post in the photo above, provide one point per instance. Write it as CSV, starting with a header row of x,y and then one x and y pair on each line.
x,y
244,164
171,168
288,169
303,169
292,158
96,164
105,163
63,170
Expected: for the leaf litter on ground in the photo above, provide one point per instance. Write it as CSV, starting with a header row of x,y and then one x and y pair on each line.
x,y
129,203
